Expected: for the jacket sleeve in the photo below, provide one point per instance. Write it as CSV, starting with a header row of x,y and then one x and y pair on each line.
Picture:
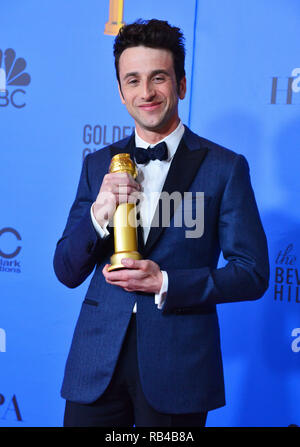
x,y
244,247
80,246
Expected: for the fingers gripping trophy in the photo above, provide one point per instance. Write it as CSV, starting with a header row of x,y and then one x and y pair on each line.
x,y
124,220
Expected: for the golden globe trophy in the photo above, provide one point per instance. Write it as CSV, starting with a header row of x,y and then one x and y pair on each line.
x,y
124,220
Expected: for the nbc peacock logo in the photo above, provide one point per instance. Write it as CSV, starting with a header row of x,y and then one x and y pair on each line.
x,y
12,74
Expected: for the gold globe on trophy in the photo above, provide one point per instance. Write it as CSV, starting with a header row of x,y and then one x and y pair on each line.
x,y
124,220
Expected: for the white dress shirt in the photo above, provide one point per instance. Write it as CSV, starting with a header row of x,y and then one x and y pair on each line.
x,y
151,177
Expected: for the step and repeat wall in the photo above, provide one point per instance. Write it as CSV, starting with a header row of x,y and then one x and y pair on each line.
x,y
59,101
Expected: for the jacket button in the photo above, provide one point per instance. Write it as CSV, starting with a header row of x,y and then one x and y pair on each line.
x,y
179,311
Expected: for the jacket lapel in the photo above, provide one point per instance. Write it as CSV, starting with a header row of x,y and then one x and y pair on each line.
x,y
183,169
124,146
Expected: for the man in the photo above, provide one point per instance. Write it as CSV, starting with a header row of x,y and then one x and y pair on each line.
x,y
146,348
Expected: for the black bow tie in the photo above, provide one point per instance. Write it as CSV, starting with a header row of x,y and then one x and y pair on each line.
x,y
158,152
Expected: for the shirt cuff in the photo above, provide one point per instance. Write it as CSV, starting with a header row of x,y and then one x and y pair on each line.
x,y
102,231
160,297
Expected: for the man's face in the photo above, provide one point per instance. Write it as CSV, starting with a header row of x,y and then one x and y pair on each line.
x,y
149,90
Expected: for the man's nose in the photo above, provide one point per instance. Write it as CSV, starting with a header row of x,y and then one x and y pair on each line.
x,y
148,91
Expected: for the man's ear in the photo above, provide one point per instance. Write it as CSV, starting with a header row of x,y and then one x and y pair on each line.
x,y
120,93
182,88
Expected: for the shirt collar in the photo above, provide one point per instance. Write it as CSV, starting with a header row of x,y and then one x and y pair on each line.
x,y
172,140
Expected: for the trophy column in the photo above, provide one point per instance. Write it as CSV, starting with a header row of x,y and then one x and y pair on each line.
x,y
115,21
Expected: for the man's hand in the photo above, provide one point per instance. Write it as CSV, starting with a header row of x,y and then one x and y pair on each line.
x,y
116,188
139,276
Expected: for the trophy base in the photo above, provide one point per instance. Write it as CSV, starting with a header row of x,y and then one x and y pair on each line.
x,y
112,28
116,259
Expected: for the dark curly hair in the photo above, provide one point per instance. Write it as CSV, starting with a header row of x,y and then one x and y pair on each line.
x,y
154,34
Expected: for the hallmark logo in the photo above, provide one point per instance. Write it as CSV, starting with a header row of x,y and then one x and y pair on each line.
x,y
12,74
287,276
284,89
9,249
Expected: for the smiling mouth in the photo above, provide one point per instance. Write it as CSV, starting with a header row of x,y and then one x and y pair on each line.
x,y
150,107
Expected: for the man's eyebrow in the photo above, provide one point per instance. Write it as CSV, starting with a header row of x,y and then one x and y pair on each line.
x,y
161,71
128,75
153,73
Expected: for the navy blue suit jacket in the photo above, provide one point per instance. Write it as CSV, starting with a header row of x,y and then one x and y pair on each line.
x,y
179,351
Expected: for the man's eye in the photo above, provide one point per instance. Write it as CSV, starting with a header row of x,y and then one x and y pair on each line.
x,y
158,78
132,81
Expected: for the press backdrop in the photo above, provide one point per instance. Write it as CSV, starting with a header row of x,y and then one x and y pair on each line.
x,y
59,101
